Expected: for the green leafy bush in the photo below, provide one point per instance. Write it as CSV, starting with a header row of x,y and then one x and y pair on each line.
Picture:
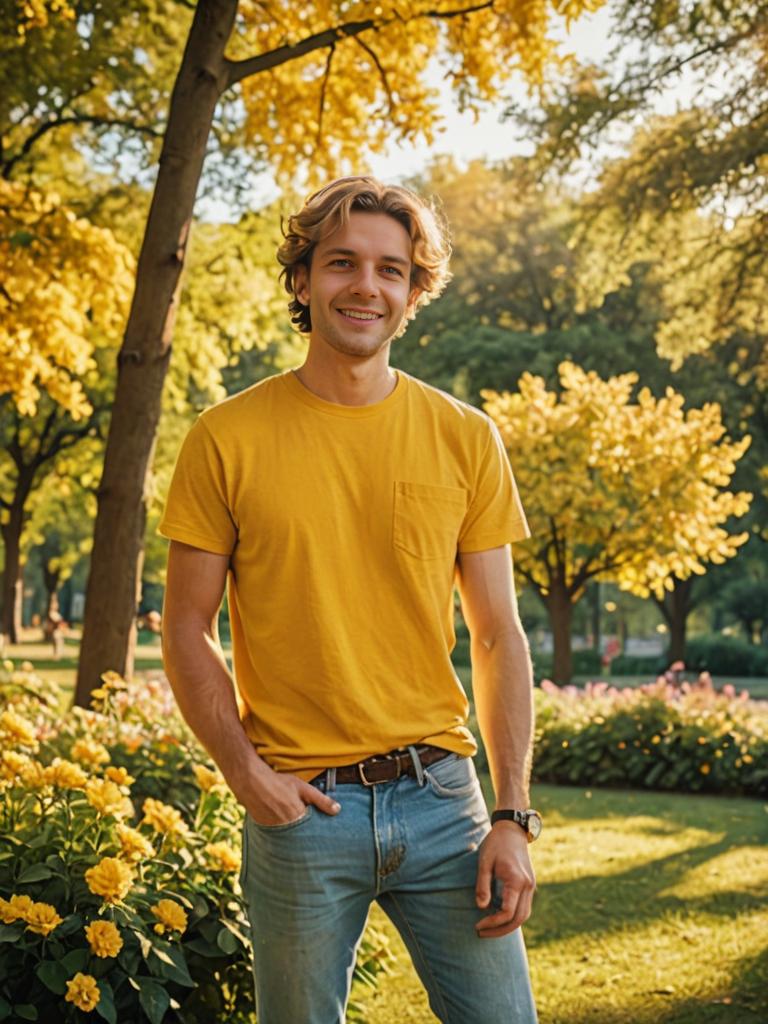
x,y
119,863
659,736
637,664
585,662
726,656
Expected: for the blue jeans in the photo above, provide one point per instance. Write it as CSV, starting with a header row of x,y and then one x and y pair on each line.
x,y
411,847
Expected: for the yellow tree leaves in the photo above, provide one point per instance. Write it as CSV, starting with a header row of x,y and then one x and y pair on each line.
x,y
632,491
64,287
32,14
367,86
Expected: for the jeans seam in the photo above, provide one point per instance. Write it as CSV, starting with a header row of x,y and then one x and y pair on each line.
x,y
436,988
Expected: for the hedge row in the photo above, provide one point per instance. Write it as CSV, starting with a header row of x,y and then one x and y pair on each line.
x,y
660,736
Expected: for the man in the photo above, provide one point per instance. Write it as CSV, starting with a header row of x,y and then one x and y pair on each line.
x,y
344,498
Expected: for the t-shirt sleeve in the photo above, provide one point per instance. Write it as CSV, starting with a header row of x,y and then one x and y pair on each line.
x,y
495,515
197,511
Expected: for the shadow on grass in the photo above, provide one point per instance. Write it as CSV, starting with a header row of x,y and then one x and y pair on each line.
x,y
596,907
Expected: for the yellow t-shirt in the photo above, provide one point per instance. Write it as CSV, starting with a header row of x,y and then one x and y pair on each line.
x,y
342,524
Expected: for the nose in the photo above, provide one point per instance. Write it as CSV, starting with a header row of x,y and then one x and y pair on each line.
x,y
365,282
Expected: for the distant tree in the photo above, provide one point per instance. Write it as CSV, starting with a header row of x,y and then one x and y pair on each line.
x,y
614,489
689,189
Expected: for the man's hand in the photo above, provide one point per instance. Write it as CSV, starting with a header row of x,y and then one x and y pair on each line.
x,y
504,855
278,798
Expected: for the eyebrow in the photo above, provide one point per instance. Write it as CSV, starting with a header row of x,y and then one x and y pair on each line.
x,y
351,252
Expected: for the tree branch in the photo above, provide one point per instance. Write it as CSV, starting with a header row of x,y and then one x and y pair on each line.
x,y
56,122
384,80
323,87
237,70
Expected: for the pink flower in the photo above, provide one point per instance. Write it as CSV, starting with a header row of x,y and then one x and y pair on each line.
x,y
677,666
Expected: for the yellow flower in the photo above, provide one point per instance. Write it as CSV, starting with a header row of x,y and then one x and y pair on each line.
x,y
99,693
110,878
163,818
705,769
33,775
13,764
107,798
18,728
15,909
65,774
90,752
104,938
83,991
224,857
206,779
133,845
119,776
113,681
42,918
170,916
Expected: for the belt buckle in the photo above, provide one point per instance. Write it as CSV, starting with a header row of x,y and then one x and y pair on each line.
x,y
372,782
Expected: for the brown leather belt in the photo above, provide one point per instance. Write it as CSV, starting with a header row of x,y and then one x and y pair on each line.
x,y
386,767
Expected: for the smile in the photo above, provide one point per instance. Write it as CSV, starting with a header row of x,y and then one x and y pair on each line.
x,y
357,314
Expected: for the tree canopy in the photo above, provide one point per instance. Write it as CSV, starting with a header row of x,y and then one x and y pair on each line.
x,y
615,489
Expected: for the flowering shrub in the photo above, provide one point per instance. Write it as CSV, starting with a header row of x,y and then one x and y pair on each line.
x,y
660,736
119,863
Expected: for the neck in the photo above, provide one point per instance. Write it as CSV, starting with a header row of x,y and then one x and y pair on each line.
x,y
347,380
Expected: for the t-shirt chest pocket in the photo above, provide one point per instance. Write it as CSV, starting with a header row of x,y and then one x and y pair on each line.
x,y
428,518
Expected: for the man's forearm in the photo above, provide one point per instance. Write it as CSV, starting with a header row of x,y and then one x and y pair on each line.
x,y
204,690
502,683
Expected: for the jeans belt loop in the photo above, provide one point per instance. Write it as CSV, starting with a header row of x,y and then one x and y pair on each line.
x,y
330,780
417,765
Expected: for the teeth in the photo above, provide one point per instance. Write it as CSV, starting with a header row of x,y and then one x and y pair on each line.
x,y
360,316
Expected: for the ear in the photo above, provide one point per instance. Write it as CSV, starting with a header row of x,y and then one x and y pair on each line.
x,y
301,284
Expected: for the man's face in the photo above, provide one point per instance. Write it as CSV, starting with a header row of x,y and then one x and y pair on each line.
x,y
358,289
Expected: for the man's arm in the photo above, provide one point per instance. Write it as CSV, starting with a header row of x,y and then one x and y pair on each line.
x,y
198,674
502,683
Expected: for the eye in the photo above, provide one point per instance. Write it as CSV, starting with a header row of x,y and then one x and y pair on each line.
x,y
392,270
341,261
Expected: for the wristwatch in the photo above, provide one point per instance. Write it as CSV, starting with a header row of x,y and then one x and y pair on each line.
x,y
529,821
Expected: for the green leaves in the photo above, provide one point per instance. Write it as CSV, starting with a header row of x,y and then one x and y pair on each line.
x,y
35,873
53,975
154,999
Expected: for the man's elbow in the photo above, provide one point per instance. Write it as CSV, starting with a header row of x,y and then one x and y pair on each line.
x,y
507,634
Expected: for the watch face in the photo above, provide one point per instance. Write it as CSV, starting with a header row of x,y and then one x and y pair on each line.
x,y
534,824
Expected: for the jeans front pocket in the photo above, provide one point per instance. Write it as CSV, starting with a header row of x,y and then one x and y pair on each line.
x,y
285,825
454,776
428,518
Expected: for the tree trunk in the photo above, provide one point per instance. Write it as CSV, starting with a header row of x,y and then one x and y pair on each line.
x,y
596,615
13,584
12,576
676,607
118,545
560,610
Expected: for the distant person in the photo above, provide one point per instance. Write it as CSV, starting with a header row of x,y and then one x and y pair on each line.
x,y
343,499
56,630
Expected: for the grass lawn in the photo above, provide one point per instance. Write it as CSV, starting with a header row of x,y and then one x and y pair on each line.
x,y
651,909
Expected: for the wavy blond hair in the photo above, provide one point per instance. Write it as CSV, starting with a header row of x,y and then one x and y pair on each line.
x,y
330,207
